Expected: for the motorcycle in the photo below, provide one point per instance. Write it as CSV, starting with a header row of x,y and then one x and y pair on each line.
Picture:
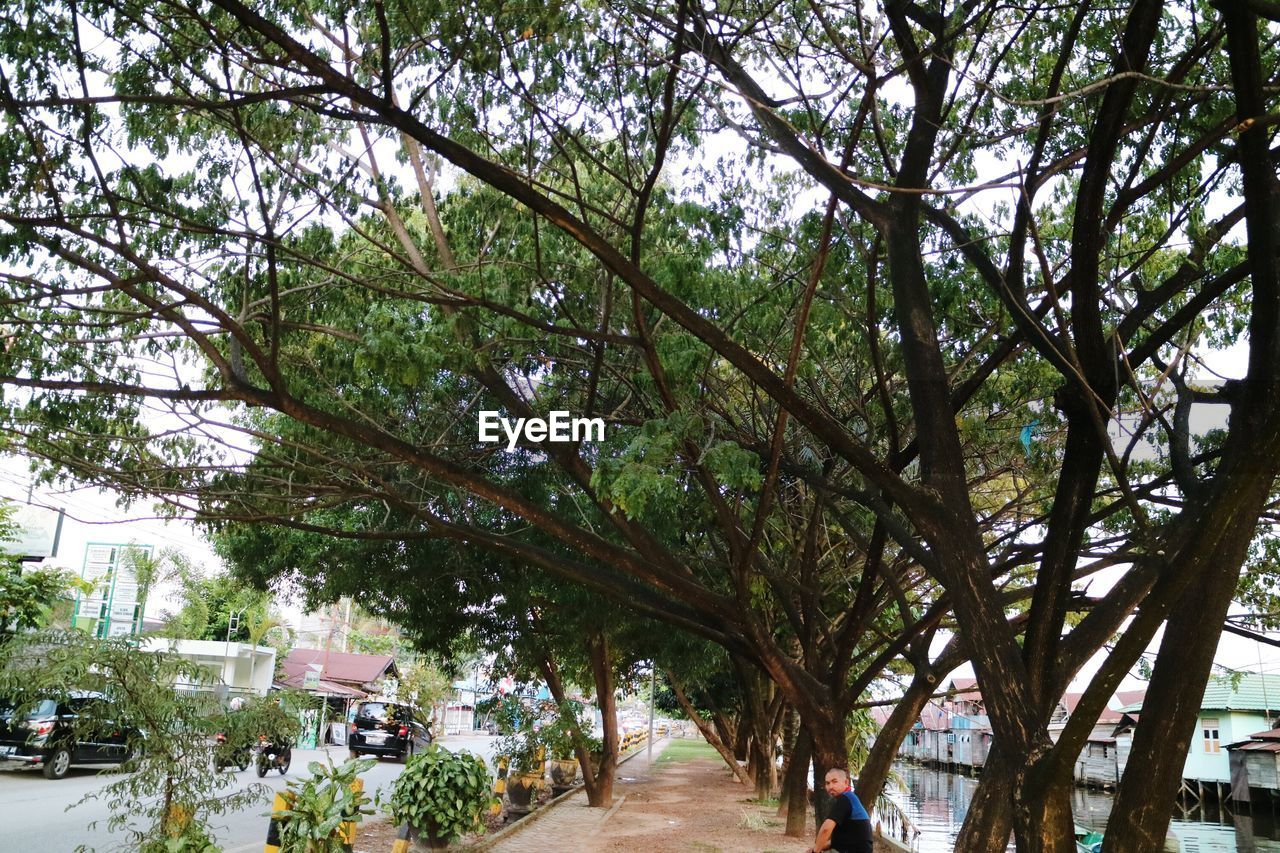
x,y
225,755
272,756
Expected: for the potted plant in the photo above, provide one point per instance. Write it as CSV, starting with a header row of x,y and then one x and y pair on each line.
x,y
561,737
441,796
522,746
563,764
524,753
323,809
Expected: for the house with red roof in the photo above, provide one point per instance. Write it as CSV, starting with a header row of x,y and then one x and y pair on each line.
x,y
1102,759
338,674
340,679
953,728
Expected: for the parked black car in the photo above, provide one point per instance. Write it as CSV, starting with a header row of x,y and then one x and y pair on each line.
x,y
387,728
81,728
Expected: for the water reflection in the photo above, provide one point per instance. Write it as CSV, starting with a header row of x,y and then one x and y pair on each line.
x,y
936,803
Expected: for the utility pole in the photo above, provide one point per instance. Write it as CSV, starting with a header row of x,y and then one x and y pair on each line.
x,y
346,624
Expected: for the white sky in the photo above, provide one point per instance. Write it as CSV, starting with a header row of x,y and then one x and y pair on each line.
x,y
94,516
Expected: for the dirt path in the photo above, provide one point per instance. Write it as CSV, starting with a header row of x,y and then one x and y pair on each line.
x,y
692,805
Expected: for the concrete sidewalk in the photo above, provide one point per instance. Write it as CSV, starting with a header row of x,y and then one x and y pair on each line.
x,y
569,817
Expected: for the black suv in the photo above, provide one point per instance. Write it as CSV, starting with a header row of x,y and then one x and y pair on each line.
x,y
53,735
387,728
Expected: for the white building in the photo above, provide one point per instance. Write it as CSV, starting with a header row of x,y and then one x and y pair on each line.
x,y
239,667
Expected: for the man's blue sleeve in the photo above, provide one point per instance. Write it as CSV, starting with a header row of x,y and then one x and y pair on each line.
x,y
857,812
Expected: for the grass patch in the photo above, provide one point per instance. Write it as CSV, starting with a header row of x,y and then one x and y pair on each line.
x,y
758,821
686,749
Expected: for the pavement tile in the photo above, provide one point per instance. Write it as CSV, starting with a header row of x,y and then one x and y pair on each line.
x,y
572,818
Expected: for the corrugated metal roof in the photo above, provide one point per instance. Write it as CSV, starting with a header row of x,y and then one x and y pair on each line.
x,y
324,688
1244,692
1255,746
339,666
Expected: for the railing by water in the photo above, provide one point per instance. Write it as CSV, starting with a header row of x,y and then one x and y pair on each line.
x,y
891,821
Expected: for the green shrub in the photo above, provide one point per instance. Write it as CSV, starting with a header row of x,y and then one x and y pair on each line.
x,y
320,805
520,741
167,797
442,795
566,724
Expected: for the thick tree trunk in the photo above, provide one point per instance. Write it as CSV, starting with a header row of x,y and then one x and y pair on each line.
x,y
821,800
1032,802
759,712
790,733
872,775
989,821
1182,668
602,674
756,724
1042,819
766,771
742,734
829,750
753,766
797,788
777,715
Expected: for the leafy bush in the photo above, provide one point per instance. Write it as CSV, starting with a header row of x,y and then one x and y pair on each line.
x,y
521,741
442,795
261,715
319,806
569,722
28,598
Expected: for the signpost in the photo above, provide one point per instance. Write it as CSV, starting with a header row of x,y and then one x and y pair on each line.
x,y
114,607
36,534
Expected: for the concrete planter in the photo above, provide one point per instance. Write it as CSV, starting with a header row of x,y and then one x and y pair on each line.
x,y
521,790
564,772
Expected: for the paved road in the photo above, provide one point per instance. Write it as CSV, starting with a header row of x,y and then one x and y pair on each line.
x,y
41,815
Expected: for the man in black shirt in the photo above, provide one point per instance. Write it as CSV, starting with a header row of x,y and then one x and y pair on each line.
x,y
847,828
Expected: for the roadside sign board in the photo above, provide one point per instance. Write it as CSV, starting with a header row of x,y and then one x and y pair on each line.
x,y
123,611
114,605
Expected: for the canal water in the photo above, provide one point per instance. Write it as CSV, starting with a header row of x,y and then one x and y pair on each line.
x,y
936,802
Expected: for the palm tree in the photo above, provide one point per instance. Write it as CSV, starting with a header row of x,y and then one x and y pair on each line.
x,y
261,620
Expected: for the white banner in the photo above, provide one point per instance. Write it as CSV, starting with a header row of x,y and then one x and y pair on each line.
x,y
124,591
110,569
